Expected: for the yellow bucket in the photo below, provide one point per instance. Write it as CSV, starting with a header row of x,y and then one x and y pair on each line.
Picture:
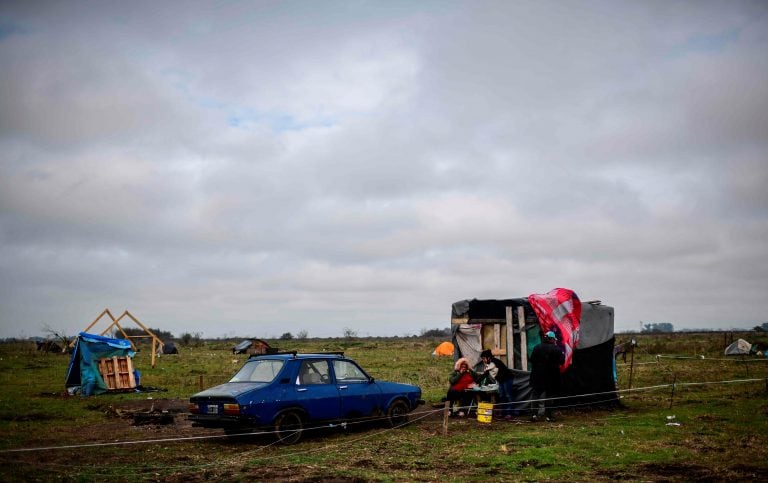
x,y
484,412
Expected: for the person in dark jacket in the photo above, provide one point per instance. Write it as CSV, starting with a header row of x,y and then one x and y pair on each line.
x,y
494,367
545,360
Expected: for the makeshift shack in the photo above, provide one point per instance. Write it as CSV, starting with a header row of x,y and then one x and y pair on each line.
x,y
511,328
100,364
251,346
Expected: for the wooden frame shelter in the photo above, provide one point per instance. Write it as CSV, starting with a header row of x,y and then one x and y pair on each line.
x,y
156,341
499,333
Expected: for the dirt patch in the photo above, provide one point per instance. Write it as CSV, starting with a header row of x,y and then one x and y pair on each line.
x,y
677,471
170,405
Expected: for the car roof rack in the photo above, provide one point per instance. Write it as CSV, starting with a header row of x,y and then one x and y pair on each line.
x,y
295,353
274,353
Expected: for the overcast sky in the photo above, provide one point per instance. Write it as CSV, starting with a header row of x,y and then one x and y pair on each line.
x,y
255,168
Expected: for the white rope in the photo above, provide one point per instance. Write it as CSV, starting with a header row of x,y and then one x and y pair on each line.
x,y
422,415
215,436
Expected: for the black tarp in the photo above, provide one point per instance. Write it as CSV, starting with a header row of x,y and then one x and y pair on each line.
x,y
169,348
587,382
488,309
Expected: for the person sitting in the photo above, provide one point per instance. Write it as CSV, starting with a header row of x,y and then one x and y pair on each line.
x,y
461,379
499,371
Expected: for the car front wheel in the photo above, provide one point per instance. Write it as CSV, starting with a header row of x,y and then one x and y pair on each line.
x,y
289,427
397,414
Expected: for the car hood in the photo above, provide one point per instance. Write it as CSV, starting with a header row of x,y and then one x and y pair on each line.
x,y
229,389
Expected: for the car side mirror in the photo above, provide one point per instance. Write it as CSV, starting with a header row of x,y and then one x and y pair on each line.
x,y
371,380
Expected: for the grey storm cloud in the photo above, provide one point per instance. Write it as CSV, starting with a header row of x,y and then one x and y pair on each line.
x,y
254,168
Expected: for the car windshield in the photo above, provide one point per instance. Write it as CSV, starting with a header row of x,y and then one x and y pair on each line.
x,y
260,370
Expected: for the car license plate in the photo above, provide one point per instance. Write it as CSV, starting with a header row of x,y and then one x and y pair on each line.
x,y
213,409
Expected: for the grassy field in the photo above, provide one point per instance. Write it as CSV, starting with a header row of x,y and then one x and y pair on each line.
x,y
712,424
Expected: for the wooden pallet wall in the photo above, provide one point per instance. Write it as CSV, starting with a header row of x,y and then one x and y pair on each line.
x,y
117,373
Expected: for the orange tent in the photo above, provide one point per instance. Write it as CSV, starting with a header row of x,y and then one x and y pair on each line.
x,y
444,349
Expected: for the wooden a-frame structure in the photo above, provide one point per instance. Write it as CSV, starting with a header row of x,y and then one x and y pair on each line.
x,y
156,341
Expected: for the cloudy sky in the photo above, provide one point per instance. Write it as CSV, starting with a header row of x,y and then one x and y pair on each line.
x,y
255,168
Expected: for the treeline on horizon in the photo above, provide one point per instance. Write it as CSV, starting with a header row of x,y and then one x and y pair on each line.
x,y
348,334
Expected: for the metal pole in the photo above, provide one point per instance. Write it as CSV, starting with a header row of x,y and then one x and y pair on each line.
x,y
672,396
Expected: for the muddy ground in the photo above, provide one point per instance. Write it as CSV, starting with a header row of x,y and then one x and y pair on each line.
x,y
190,460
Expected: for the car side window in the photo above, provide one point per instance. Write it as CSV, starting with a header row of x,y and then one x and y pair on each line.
x,y
258,371
313,372
347,371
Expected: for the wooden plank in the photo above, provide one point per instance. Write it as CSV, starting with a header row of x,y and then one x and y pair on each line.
x,y
496,336
466,320
523,339
105,311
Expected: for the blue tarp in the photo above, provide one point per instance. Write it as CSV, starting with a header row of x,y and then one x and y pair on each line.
x,y
83,370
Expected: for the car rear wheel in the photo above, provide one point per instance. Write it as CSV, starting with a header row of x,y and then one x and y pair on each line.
x,y
397,414
289,427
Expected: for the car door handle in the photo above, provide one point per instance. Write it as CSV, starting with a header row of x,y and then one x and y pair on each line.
x,y
342,387
301,389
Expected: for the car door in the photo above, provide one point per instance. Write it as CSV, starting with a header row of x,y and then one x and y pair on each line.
x,y
314,391
359,395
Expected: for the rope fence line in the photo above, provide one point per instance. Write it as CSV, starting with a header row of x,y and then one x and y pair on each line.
x,y
735,359
240,457
246,454
421,415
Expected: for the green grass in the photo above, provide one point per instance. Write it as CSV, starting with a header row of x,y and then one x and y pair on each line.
x,y
722,431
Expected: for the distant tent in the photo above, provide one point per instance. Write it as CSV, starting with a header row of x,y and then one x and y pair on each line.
x,y
169,348
251,346
83,370
444,349
738,348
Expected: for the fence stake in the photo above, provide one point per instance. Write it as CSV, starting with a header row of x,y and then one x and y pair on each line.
x,y
631,365
446,410
672,396
200,381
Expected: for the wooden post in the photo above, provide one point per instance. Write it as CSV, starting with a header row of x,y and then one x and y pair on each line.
x,y
154,351
446,412
200,382
631,366
510,340
523,338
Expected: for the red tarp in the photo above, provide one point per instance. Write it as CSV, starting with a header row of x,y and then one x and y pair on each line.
x,y
559,310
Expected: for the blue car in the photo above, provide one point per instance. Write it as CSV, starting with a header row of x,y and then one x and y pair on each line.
x,y
289,392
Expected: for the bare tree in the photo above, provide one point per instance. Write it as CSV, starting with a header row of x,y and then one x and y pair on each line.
x,y
63,339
